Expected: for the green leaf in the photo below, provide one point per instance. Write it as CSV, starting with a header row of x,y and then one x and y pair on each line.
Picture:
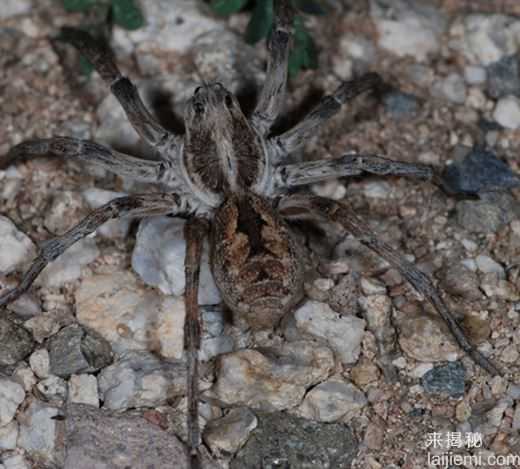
x,y
303,54
127,14
85,66
260,22
309,6
78,5
227,7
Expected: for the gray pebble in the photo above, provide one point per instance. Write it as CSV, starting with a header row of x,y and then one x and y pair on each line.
x,y
140,379
12,395
446,379
503,77
282,440
74,350
15,342
401,105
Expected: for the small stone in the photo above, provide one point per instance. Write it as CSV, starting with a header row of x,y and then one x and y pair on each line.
x,y
515,426
67,209
479,172
507,112
15,342
271,379
451,88
16,249
39,361
458,280
130,316
445,379
139,379
83,389
96,438
74,350
423,339
488,265
371,286
8,435
158,258
374,436
11,396
25,376
15,461
53,389
46,325
463,411
37,434
488,215
332,400
408,28
306,444
401,105
377,190
503,77
486,38
67,267
364,373
12,8
114,228
474,74
229,433
510,354
172,27
343,333
494,286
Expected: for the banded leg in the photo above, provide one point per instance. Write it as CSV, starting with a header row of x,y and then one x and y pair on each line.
x,y
126,93
85,150
271,99
299,206
195,231
326,108
299,174
134,206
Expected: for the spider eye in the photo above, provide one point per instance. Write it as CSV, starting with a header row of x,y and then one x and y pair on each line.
x,y
228,100
197,89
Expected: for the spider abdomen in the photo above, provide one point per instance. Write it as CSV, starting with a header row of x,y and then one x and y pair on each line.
x,y
255,261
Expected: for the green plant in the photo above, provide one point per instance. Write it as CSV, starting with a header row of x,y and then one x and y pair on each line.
x,y
303,53
124,13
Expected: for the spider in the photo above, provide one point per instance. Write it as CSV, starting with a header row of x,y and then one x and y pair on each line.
x,y
230,178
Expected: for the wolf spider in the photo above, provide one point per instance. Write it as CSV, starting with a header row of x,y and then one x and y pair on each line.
x,y
229,177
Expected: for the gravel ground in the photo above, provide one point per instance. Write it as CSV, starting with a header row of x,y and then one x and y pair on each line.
x,y
363,374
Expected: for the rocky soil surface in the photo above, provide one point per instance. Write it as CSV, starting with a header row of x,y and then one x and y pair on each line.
x,y
362,374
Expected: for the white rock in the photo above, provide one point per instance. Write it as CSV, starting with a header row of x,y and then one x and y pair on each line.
x,y
12,8
230,432
484,39
140,379
67,267
173,25
271,379
8,435
332,400
83,390
451,88
377,189
16,249
39,361
474,75
343,333
408,28
37,434
15,461
488,265
130,316
158,258
507,112
52,388
25,376
11,396
114,228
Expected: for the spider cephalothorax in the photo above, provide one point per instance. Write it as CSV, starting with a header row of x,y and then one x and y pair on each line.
x,y
227,171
